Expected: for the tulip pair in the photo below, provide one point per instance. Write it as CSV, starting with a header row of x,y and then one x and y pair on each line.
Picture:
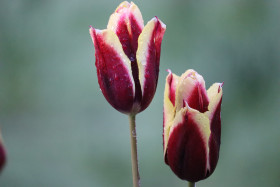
x,y
192,125
127,62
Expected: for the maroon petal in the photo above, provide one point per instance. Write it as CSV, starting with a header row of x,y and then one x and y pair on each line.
x,y
187,149
148,59
113,70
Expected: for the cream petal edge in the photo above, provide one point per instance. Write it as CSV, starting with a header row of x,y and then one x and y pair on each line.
x,y
169,110
215,93
143,48
170,126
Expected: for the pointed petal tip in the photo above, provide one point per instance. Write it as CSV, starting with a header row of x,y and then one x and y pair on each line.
x,y
169,71
94,32
156,19
91,29
132,4
220,87
161,23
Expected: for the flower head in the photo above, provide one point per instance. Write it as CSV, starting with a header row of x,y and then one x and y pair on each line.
x,y
127,58
191,125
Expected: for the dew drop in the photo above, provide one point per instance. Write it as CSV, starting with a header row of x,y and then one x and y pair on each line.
x,y
132,59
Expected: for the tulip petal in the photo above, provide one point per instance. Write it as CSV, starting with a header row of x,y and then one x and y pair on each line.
x,y
215,94
187,149
127,23
148,55
168,104
113,70
191,89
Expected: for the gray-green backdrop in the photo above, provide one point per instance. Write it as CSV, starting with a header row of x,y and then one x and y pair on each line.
x,y
59,130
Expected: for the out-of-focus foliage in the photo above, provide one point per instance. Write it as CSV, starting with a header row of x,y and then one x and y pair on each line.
x,y
59,130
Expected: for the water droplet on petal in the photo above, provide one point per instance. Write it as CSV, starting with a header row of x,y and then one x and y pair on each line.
x,y
132,59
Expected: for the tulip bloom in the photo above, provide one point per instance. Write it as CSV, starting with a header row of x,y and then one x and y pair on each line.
x,y
192,125
127,58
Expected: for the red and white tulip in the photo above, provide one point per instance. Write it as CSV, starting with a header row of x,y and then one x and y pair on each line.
x,y
127,58
191,125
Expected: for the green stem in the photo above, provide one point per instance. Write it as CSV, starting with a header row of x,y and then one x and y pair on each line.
x,y
134,157
191,184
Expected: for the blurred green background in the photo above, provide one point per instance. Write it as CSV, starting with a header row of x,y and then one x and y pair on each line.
x,y
59,130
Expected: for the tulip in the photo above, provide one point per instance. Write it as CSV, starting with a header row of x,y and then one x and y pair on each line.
x,y
127,58
2,154
191,125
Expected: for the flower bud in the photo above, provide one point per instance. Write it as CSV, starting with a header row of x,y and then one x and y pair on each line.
x,y
191,125
127,58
